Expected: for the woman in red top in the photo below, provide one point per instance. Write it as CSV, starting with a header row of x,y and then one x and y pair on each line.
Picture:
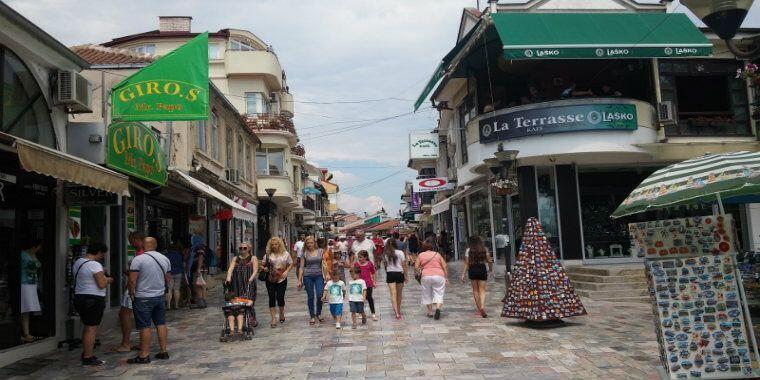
x,y
368,275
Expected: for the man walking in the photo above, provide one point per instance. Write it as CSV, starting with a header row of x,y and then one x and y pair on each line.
x,y
361,244
148,276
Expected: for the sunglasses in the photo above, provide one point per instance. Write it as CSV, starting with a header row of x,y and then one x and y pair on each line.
x,y
243,248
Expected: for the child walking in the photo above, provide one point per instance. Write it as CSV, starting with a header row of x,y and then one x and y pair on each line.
x,y
334,293
368,272
357,295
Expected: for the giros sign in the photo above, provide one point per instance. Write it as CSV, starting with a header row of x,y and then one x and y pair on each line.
x,y
423,145
432,184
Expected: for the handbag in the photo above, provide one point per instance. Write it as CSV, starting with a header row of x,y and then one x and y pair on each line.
x,y
418,272
263,275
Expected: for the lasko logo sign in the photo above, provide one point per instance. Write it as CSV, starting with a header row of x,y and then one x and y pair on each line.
x,y
557,119
175,87
134,149
607,52
432,184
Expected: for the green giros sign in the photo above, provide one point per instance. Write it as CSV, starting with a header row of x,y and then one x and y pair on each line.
x,y
134,149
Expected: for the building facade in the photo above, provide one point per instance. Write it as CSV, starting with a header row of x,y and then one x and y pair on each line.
x,y
589,114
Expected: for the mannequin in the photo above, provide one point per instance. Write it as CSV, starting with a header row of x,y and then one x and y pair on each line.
x,y
30,268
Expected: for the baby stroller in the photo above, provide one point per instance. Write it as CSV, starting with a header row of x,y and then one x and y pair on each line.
x,y
235,307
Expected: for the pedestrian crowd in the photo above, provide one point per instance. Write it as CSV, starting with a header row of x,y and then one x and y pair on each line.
x,y
157,281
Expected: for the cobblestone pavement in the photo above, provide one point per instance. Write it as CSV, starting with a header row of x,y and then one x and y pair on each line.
x,y
615,341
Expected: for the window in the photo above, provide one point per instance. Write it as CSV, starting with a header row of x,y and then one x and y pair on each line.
x,y
707,98
214,136
467,111
238,45
229,151
214,51
145,49
248,166
201,125
256,102
270,161
20,88
241,156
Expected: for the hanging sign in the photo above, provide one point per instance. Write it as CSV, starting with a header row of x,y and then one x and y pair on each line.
x,y
87,196
134,149
175,87
541,121
423,145
432,184
75,225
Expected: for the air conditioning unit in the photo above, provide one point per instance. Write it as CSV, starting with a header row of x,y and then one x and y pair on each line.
x,y
232,175
200,207
73,92
665,112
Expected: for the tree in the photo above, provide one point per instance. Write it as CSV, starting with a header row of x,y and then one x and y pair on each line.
x,y
539,289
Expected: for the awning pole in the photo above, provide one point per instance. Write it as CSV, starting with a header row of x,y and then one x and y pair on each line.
x,y
720,204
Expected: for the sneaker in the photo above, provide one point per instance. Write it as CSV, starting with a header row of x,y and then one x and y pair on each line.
x,y
374,317
92,360
162,355
337,325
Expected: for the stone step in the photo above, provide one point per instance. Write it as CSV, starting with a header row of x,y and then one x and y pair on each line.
x,y
638,285
622,270
605,279
610,294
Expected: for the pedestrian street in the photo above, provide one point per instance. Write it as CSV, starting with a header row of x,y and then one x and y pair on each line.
x,y
614,341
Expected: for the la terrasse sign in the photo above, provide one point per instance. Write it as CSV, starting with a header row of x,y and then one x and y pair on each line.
x,y
134,149
558,119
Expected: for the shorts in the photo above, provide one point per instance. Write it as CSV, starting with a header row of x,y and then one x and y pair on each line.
x,y
394,277
149,309
90,308
126,301
356,307
477,272
336,309
176,282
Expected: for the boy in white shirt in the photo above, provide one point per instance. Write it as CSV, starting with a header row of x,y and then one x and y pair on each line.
x,y
357,295
334,293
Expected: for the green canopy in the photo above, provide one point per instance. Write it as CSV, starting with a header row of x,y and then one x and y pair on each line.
x,y
703,179
599,35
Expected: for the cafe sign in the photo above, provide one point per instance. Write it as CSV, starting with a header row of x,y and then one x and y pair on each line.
x,y
540,121
175,87
134,149
423,145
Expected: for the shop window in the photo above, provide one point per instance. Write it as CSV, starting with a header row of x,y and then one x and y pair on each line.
x,y
708,99
270,161
24,113
480,216
201,125
255,103
214,136
546,184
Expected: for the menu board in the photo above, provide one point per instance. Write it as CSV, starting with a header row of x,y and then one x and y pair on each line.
x,y
699,318
714,234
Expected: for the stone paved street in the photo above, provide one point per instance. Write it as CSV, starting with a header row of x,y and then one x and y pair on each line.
x,y
615,341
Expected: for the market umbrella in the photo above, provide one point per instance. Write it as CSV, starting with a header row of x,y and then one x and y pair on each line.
x,y
707,178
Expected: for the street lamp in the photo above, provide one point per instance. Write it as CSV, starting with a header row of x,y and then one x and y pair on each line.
x,y
724,17
270,194
505,185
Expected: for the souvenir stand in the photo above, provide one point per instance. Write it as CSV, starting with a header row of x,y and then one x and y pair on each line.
x,y
539,291
701,316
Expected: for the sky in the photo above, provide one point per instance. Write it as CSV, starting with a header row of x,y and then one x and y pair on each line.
x,y
354,68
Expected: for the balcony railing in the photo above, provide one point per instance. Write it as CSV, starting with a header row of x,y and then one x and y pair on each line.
x,y
270,122
298,150
310,204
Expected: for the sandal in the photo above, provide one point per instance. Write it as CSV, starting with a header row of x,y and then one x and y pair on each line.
x,y
320,319
139,360
312,322
273,325
162,355
282,320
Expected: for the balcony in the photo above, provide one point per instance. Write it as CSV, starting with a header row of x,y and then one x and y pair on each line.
x,y
298,151
284,194
255,63
286,104
272,129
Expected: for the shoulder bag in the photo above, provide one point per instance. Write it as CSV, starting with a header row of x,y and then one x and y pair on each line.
x,y
263,275
77,273
163,271
418,272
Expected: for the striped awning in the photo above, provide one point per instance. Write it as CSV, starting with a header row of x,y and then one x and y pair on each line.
x,y
700,179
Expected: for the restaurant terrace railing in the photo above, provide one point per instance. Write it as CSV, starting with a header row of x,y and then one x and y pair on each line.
x,y
298,150
268,121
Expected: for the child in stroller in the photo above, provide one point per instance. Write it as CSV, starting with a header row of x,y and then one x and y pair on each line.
x,y
238,309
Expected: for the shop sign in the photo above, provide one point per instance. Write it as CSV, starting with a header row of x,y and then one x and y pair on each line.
x,y
533,122
428,185
324,219
75,225
88,196
134,149
423,145
416,201
608,52
175,87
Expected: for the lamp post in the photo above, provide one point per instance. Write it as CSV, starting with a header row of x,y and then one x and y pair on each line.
x,y
724,17
270,194
500,167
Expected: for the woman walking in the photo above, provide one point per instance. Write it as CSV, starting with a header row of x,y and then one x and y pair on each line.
x,y
367,273
476,258
89,297
312,277
277,263
435,273
395,274
241,276
178,275
413,247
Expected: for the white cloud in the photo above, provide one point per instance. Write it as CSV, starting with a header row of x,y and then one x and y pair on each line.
x,y
359,205
345,179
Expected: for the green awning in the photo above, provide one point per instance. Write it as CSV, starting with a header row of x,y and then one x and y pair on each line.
x,y
599,35
437,75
